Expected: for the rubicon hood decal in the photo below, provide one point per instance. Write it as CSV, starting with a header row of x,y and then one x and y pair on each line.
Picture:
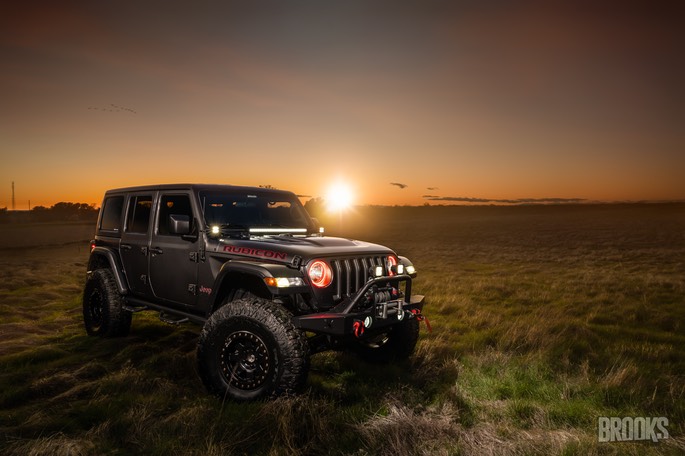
x,y
255,252
284,249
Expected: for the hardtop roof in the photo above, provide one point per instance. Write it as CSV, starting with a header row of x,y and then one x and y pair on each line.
x,y
195,188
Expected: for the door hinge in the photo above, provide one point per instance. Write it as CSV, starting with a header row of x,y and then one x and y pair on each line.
x,y
197,256
192,289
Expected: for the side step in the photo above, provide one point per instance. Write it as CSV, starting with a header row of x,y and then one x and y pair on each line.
x,y
135,309
166,318
136,304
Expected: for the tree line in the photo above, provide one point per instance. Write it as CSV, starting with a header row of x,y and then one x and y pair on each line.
x,y
67,212
59,212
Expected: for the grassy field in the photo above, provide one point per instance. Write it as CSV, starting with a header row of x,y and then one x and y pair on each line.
x,y
22,235
544,319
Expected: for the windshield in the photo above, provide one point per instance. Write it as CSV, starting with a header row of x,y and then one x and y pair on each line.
x,y
266,212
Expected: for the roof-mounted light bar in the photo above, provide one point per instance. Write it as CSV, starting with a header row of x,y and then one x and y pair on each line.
x,y
277,230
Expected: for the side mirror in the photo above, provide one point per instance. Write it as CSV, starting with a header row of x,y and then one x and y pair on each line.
x,y
179,224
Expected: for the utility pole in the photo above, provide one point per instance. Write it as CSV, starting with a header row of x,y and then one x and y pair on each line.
x,y
13,205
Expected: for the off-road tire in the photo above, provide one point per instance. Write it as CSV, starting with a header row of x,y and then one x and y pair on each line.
x,y
249,349
396,344
103,306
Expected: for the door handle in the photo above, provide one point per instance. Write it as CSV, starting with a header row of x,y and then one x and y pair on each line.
x,y
156,250
125,246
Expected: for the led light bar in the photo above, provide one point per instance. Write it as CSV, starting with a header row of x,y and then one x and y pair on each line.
x,y
278,230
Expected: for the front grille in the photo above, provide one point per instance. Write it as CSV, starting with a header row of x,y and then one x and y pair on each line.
x,y
350,274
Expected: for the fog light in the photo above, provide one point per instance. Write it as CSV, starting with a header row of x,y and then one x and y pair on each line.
x,y
368,321
379,271
411,269
400,315
216,229
400,269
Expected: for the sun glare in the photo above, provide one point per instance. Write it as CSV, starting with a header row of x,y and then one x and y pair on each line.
x,y
339,197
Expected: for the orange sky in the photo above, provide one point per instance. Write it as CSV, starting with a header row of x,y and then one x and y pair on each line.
x,y
454,100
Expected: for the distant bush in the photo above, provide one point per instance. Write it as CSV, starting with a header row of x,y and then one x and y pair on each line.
x,y
60,212
315,207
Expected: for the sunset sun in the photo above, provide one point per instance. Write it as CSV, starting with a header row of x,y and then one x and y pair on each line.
x,y
339,197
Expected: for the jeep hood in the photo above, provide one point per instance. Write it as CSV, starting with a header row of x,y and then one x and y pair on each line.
x,y
285,248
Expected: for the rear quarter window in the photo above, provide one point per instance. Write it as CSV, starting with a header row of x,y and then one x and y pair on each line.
x,y
112,209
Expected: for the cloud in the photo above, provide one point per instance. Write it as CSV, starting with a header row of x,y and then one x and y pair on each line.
x,y
399,184
462,199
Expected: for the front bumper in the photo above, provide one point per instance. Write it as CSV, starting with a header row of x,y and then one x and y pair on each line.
x,y
340,324
341,320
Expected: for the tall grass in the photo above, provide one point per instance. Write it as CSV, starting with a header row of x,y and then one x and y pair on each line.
x,y
544,319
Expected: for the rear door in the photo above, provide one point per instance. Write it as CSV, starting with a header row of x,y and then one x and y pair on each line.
x,y
135,242
173,270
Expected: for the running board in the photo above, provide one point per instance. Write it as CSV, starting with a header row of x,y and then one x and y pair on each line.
x,y
172,315
167,319
134,309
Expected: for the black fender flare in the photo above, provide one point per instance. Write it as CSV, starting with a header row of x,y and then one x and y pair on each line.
x,y
114,265
236,269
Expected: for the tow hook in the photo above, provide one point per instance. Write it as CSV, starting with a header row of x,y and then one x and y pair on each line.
x,y
421,317
358,328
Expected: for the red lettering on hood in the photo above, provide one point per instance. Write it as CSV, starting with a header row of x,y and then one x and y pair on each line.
x,y
255,252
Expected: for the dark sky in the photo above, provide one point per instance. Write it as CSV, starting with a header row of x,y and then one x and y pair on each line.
x,y
473,99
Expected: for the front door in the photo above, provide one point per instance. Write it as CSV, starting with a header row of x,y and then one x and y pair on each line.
x,y
173,270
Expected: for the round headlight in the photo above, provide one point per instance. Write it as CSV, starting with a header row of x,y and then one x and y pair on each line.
x,y
320,274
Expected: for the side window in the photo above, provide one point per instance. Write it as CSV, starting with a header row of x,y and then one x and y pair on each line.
x,y
172,205
138,217
111,213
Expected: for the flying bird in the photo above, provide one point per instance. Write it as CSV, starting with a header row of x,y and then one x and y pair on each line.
x,y
397,184
432,188
113,108
121,108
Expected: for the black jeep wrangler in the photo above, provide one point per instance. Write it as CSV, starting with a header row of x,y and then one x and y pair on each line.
x,y
255,269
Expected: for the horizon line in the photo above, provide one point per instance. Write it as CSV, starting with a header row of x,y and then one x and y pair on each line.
x,y
463,202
